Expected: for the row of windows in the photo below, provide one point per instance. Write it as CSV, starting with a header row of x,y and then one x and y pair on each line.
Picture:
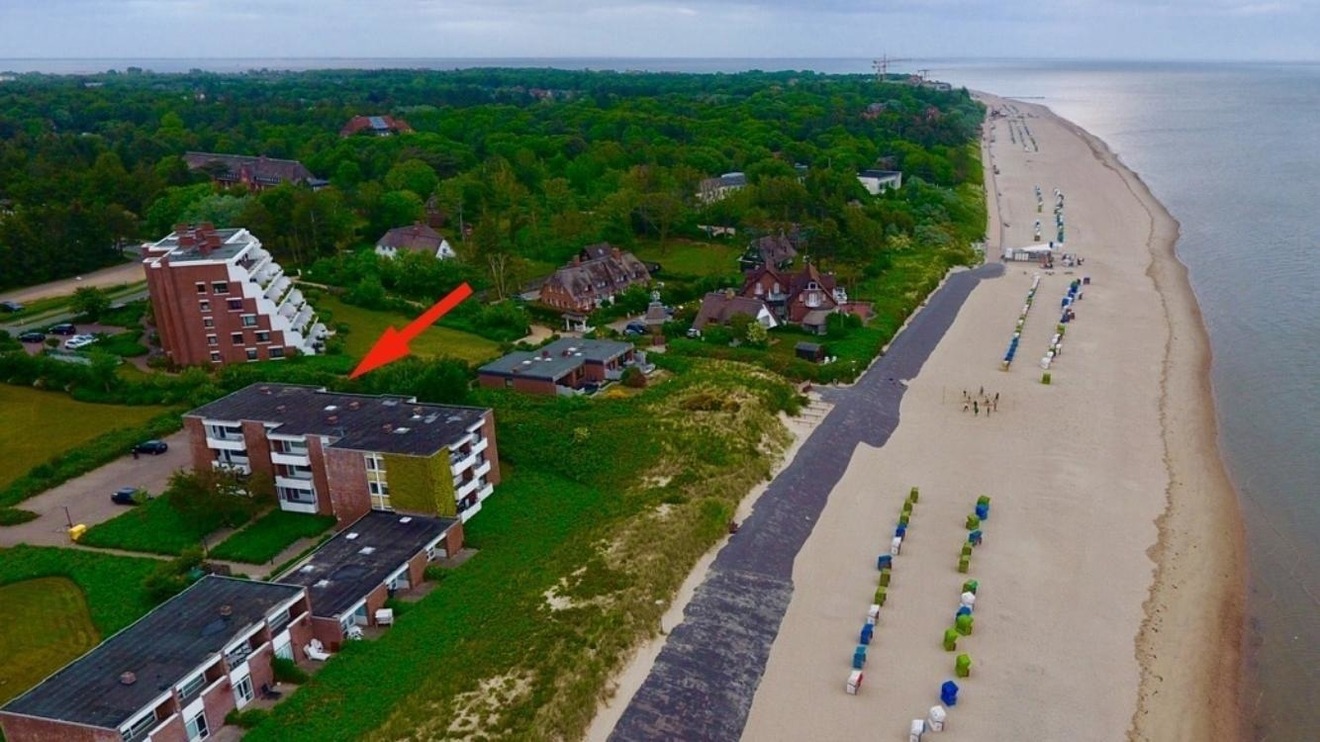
x,y
234,305
252,354
262,336
217,287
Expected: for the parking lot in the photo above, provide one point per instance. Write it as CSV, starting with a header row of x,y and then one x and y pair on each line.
x,y
87,498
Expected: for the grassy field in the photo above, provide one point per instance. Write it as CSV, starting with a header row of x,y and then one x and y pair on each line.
x,y
270,534
33,649
153,528
695,259
608,516
367,325
36,426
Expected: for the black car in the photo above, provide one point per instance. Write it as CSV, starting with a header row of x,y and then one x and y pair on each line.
x,y
32,336
125,496
64,328
11,306
152,447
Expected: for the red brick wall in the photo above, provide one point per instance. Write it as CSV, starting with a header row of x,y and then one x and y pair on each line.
x,y
454,537
259,667
328,631
28,729
375,600
492,452
316,454
300,633
218,702
201,455
417,569
349,497
174,731
522,384
258,448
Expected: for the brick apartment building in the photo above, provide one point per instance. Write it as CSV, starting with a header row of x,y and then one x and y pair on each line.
x,y
175,673
565,364
348,454
349,578
218,297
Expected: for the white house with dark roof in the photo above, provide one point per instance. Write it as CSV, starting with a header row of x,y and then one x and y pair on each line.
x,y
417,237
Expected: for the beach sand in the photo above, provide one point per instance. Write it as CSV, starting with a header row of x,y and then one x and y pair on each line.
x,y
1111,573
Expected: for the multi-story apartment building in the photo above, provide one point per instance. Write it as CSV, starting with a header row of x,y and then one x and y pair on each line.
x,y
219,297
348,454
175,673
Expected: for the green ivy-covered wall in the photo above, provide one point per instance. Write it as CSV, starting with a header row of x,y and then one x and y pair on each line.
x,y
421,485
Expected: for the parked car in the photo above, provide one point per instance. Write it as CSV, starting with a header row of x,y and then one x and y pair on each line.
x,y
128,496
635,328
152,447
693,332
11,306
79,341
64,328
32,336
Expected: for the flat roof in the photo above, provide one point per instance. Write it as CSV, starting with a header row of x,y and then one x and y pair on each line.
x,y
161,649
556,359
361,557
233,242
356,422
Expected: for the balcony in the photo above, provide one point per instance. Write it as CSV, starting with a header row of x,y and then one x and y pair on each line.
x,y
236,466
482,470
226,443
485,492
460,462
481,445
467,488
293,457
295,483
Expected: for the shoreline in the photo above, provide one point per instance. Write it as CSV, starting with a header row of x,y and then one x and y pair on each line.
x,y
1173,662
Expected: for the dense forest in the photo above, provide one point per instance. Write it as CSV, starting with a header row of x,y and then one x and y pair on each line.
x,y
533,164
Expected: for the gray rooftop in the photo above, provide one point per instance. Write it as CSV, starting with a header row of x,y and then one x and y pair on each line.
x,y
231,244
878,173
357,422
161,650
556,359
349,566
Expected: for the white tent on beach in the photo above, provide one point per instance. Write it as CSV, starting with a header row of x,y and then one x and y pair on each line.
x,y
1031,253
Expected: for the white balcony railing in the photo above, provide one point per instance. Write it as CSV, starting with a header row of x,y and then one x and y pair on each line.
x,y
295,483
226,444
467,488
290,459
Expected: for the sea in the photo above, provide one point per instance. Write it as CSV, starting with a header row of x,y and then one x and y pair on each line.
x,y
1233,151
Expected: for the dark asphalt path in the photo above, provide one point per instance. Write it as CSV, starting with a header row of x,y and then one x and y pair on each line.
x,y
703,681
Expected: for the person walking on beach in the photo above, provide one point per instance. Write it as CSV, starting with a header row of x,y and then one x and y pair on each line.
x,y
976,408
966,404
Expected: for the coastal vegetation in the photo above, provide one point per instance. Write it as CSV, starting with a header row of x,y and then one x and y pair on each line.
x,y
606,502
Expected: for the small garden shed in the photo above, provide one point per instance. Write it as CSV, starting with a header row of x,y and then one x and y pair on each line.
x,y
814,352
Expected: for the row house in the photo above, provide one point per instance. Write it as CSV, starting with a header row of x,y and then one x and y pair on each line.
x,y
348,454
174,674
219,297
597,274
561,366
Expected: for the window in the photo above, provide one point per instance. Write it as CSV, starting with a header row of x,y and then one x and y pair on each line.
x,y
284,650
201,287
374,462
208,322
252,354
138,729
296,495
215,356
212,340
379,488
249,320
235,305
278,622
196,727
276,352
236,338
263,336
192,686
243,691
204,305
219,287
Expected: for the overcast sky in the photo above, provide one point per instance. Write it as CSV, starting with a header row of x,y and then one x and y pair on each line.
x,y
1110,29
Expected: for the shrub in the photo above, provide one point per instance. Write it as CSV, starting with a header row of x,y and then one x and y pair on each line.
x,y
14,516
247,719
170,578
634,378
287,671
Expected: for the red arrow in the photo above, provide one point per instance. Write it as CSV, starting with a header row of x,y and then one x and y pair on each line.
x,y
393,344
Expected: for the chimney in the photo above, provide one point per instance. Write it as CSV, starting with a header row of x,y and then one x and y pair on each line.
x,y
545,354
387,427
226,610
186,237
127,678
616,253
353,405
332,419
728,293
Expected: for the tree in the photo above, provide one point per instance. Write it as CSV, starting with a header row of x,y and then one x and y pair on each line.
x,y
209,495
90,302
757,336
412,175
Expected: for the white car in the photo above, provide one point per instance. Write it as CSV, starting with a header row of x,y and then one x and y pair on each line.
x,y
79,341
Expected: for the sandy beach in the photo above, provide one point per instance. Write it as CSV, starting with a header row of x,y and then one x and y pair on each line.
x,y
1111,572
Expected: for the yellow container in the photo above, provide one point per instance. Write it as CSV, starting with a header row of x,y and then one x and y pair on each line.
x,y
76,532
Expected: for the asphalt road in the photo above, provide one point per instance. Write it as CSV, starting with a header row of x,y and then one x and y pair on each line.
x,y
88,497
703,681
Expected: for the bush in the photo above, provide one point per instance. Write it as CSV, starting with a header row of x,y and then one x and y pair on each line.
x,y
287,671
634,378
170,578
247,719
14,516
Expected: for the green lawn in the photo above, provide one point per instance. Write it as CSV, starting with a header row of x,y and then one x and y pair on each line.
x,y
33,649
36,426
109,591
270,534
153,528
694,259
367,325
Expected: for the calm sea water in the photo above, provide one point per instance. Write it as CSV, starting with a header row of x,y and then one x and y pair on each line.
x,y
1234,152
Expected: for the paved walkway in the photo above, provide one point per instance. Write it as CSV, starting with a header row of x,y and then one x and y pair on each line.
x,y
703,681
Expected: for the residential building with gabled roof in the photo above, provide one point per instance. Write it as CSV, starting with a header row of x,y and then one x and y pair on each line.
x,y
380,126
417,237
254,173
596,275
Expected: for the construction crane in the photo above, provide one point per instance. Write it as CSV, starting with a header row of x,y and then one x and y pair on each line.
x,y
881,66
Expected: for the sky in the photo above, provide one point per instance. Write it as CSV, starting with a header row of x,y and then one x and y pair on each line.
x,y
1263,30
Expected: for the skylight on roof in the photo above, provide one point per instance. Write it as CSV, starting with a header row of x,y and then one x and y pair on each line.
x,y
331,407
406,519
308,568
401,430
368,550
322,583
352,536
